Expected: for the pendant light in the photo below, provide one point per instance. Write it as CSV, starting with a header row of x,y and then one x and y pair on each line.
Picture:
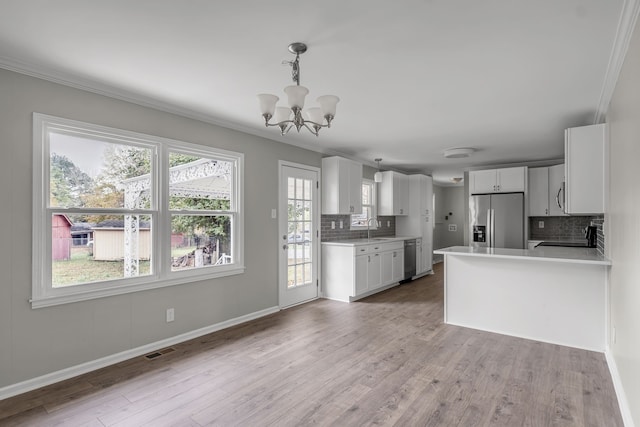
x,y
377,177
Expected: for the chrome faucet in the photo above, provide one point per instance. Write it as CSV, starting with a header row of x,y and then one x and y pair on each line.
x,y
369,225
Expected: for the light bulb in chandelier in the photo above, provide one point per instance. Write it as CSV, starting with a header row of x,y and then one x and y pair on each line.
x,y
313,119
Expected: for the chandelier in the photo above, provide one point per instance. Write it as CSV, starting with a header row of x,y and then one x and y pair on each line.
x,y
287,117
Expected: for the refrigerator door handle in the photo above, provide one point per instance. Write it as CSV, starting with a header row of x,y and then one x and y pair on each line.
x,y
489,229
493,228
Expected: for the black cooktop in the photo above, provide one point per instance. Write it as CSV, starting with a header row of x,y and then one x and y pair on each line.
x,y
565,244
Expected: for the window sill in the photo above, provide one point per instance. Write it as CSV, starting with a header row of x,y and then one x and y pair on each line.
x,y
53,300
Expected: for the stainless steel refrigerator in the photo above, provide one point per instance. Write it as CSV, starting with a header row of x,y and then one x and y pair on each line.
x,y
497,220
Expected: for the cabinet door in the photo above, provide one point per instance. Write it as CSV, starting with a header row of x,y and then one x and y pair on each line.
x,y
362,266
419,256
556,190
355,187
398,265
584,169
539,192
483,181
427,255
403,194
341,186
386,269
510,179
374,272
427,199
393,194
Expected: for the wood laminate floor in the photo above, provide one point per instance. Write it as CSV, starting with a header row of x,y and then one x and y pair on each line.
x,y
386,360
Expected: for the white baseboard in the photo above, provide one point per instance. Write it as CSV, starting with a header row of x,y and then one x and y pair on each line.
x,y
73,371
623,403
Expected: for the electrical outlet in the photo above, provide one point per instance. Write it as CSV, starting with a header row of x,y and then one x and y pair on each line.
x,y
341,224
171,315
333,225
540,224
274,214
388,224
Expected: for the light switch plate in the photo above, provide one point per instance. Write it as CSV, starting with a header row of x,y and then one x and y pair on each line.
x,y
540,224
273,214
333,225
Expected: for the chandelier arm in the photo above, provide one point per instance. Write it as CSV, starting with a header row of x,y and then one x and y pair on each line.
x,y
279,123
316,124
315,132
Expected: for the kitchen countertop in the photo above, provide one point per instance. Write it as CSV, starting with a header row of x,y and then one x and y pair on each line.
x,y
546,253
373,240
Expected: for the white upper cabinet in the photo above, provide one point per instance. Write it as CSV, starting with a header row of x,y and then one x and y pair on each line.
x,y
546,191
556,190
584,152
539,192
341,186
393,194
506,180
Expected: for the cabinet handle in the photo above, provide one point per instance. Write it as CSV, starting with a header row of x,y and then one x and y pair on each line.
x,y
368,258
375,247
395,254
361,250
558,198
377,255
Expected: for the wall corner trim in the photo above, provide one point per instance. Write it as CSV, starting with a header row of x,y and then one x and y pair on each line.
x,y
83,368
623,402
626,24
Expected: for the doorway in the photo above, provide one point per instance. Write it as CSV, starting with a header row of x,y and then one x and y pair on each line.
x,y
299,211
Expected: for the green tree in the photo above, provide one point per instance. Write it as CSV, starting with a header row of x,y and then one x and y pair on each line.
x,y
68,183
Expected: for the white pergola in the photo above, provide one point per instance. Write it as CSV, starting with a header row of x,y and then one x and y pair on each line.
x,y
203,178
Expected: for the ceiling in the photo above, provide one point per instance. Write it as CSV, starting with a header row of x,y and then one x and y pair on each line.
x,y
415,77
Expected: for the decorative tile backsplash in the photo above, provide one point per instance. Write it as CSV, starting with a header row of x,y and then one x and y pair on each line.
x,y
599,223
327,234
565,228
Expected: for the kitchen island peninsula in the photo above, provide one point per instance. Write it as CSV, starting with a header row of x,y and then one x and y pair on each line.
x,y
552,294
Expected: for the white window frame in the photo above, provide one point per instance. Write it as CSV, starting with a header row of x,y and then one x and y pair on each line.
x,y
374,208
44,294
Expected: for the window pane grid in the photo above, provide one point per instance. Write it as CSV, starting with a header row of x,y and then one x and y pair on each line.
x,y
98,182
299,194
368,207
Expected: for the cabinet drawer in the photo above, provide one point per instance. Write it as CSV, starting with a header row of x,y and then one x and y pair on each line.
x,y
392,246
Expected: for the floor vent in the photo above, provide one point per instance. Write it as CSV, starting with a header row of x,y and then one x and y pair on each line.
x,y
159,353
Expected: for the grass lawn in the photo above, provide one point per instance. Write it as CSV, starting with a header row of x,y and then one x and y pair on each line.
x,y
81,268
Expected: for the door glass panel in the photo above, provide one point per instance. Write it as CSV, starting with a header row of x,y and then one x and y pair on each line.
x,y
299,229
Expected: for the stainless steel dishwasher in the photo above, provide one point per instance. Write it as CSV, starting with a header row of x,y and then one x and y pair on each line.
x,y
409,259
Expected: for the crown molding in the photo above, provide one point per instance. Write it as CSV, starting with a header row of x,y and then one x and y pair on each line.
x,y
626,24
88,85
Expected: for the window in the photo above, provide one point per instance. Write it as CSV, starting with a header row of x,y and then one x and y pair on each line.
x,y
116,211
359,221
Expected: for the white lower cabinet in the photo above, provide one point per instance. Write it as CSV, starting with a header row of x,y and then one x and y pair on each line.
x,y
353,271
397,265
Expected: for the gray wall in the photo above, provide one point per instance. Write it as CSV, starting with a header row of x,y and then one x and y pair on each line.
x,y
37,342
622,224
448,200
